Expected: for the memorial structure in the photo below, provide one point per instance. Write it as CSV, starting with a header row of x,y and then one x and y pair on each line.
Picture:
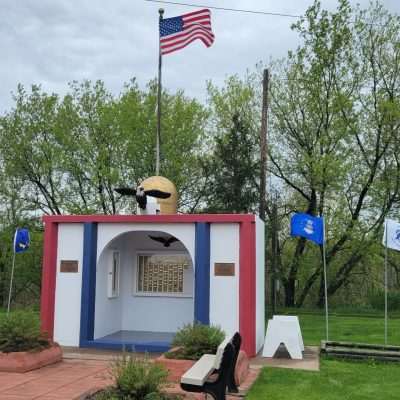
x,y
131,281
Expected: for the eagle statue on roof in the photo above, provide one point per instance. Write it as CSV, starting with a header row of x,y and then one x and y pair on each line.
x,y
154,195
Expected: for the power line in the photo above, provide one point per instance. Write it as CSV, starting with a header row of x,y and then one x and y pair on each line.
x,y
240,10
226,9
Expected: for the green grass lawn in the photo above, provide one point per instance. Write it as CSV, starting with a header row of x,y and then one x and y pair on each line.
x,y
337,380
349,328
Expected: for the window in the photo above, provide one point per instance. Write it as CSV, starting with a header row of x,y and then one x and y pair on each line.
x,y
113,275
161,273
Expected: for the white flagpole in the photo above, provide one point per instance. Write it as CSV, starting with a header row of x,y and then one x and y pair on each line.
x,y
159,94
325,284
386,282
12,277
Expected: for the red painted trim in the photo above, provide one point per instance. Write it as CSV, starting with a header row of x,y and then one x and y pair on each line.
x,y
163,219
47,300
247,287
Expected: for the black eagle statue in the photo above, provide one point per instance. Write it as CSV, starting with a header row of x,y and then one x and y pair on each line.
x,y
166,241
141,194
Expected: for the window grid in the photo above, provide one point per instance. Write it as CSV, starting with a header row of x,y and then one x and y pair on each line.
x,y
161,274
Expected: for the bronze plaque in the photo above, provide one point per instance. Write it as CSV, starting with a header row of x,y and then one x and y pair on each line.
x,y
69,266
224,269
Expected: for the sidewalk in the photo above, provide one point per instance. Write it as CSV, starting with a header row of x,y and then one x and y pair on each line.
x,y
66,380
82,372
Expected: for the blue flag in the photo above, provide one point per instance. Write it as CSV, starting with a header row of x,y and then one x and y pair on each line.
x,y
307,226
21,240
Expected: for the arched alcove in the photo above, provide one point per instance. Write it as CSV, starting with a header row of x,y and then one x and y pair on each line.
x,y
144,287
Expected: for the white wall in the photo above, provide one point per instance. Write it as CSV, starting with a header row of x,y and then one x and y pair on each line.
x,y
108,311
260,284
140,312
68,286
153,313
224,290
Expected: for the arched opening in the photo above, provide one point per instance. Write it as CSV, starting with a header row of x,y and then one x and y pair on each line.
x,y
144,290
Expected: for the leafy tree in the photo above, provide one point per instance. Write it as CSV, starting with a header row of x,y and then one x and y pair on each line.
x,y
68,154
335,115
333,140
232,169
30,153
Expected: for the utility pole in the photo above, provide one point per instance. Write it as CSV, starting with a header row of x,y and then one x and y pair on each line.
x,y
263,144
274,248
263,179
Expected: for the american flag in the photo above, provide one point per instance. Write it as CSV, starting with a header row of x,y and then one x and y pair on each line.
x,y
176,33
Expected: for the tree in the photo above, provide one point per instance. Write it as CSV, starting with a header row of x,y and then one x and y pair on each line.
x,y
334,135
335,124
232,170
232,167
29,150
69,154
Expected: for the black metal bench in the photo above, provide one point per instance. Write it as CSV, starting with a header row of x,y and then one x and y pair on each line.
x,y
213,374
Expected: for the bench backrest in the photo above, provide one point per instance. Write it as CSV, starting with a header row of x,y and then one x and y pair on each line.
x,y
236,341
220,353
226,364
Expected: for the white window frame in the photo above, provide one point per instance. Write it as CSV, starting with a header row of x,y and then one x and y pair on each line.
x,y
136,293
111,293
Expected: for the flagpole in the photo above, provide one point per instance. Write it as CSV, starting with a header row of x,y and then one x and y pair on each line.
x,y
11,281
386,283
158,141
325,283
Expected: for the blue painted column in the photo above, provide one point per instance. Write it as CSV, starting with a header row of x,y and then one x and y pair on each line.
x,y
88,282
202,274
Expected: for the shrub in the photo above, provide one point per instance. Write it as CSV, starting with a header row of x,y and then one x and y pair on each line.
x,y
195,340
377,300
135,379
20,331
110,394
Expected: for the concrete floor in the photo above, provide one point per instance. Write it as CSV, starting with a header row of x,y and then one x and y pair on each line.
x,y
76,353
139,336
310,361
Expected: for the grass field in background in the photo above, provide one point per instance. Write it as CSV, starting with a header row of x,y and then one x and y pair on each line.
x,y
337,380
347,327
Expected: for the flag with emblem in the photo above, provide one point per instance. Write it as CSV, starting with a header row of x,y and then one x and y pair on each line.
x,y
391,235
21,240
177,32
307,226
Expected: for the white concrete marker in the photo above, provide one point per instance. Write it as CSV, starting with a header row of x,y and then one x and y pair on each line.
x,y
283,331
296,320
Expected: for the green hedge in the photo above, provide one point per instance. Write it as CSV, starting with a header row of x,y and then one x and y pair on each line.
x,y
20,331
195,340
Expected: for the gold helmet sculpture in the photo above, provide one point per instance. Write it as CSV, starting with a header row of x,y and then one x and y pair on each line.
x,y
160,188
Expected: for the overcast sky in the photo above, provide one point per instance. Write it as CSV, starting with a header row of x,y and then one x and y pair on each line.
x,y
52,42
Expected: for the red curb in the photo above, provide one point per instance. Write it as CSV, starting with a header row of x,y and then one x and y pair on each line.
x,y
24,361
